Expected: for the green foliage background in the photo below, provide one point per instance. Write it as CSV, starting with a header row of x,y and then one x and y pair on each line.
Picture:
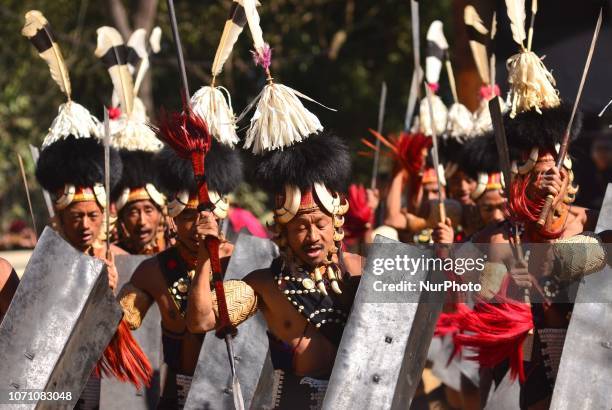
x,y
308,55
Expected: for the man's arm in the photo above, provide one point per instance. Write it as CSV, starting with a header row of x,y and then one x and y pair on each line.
x,y
394,216
200,316
135,296
202,312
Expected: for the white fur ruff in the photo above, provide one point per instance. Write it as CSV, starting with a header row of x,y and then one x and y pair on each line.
x,y
460,122
440,113
72,119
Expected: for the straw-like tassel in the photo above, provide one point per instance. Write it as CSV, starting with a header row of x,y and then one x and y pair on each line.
x,y
210,104
280,119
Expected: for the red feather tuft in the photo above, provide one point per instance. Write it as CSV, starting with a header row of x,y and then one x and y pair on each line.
x,y
410,151
187,133
125,360
359,214
497,332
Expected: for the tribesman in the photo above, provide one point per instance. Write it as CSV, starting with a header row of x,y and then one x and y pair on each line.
x,y
167,278
8,285
71,167
534,126
411,151
306,294
139,204
71,163
480,164
198,169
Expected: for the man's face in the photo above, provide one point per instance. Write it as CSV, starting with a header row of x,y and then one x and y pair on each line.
x,y
460,187
311,237
186,231
491,206
430,191
141,221
81,223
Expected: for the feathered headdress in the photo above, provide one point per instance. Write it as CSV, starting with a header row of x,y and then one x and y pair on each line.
x,y
537,117
532,86
209,102
437,48
479,160
71,163
308,176
280,118
72,119
178,181
130,130
72,170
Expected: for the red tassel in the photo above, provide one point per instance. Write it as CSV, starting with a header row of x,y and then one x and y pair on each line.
x,y
497,331
124,359
449,322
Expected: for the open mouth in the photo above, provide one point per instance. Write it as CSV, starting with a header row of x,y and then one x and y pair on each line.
x,y
313,251
143,234
464,198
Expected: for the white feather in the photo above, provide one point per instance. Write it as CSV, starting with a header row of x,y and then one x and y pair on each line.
x,y
138,42
433,65
517,15
250,9
34,21
155,39
231,32
479,51
435,33
121,78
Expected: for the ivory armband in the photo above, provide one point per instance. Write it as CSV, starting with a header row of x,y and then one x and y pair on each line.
x,y
135,302
241,301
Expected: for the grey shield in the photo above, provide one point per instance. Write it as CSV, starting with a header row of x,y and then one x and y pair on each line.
x,y
384,344
61,319
211,387
585,369
115,394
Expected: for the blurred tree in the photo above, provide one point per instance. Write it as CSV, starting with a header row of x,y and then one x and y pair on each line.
x,y
336,51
